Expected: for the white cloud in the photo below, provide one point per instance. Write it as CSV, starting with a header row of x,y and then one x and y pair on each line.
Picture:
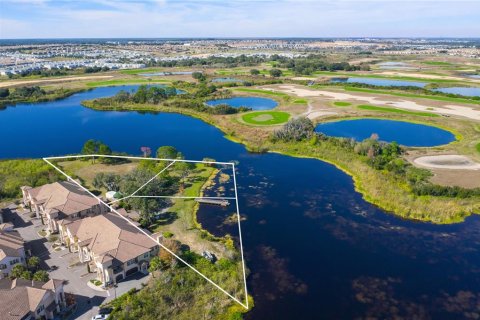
x,y
260,18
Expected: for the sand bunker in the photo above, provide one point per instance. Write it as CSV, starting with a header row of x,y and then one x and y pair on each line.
x,y
451,161
316,114
456,110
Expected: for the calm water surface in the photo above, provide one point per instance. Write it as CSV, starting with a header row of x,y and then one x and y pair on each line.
x,y
255,103
464,91
314,248
380,82
395,65
227,80
406,133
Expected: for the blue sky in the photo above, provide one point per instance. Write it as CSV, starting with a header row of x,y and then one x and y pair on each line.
x,y
238,18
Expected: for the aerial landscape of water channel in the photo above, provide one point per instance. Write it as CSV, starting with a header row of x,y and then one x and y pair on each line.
x,y
305,229
235,160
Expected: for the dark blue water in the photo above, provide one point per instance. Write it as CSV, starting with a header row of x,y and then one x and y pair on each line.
x,y
380,82
464,91
61,127
314,248
255,103
405,133
226,80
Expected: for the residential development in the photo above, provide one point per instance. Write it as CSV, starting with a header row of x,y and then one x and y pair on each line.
x,y
12,251
60,202
110,246
26,300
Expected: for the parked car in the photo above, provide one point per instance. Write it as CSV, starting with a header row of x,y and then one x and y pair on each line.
x,y
105,311
100,317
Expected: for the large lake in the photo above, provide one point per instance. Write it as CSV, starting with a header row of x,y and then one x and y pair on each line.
x,y
255,103
405,133
380,82
315,248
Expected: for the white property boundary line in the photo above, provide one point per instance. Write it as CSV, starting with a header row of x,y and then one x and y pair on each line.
x,y
143,185
245,305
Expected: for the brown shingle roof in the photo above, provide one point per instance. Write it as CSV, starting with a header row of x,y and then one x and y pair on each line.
x,y
20,297
64,196
111,237
10,243
53,284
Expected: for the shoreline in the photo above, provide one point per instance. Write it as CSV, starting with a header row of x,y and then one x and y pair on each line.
x,y
416,208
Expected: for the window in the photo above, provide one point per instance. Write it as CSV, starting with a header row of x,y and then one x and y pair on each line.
x,y
130,262
41,308
3,266
14,261
146,255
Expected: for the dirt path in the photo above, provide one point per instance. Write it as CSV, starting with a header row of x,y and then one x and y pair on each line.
x,y
311,113
11,83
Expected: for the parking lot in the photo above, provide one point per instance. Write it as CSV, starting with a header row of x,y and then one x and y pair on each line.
x,y
65,265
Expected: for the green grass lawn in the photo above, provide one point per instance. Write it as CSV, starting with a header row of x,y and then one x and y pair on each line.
x,y
300,101
266,117
233,71
272,93
342,104
393,110
185,208
437,63
124,82
412,95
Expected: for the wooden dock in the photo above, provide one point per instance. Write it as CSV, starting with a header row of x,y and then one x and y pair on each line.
x,y
217,202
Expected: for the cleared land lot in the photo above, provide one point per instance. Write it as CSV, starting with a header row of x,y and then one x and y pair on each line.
x,y
11,83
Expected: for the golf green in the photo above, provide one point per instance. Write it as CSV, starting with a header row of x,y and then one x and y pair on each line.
x,y
266,117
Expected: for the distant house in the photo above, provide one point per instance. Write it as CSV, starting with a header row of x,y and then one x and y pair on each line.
x,y
60,201
110,246
12,251
26,299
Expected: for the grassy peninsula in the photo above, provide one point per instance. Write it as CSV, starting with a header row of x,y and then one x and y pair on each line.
x,y
389,189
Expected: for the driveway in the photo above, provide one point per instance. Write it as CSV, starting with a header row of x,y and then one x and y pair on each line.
x,y
67,266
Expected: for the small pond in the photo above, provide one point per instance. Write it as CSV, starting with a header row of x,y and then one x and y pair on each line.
x,y
256,103
405,133
380,82
227,80
464,91
395,65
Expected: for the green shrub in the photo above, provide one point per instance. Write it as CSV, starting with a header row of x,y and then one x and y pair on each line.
x,y
295,130
167,234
